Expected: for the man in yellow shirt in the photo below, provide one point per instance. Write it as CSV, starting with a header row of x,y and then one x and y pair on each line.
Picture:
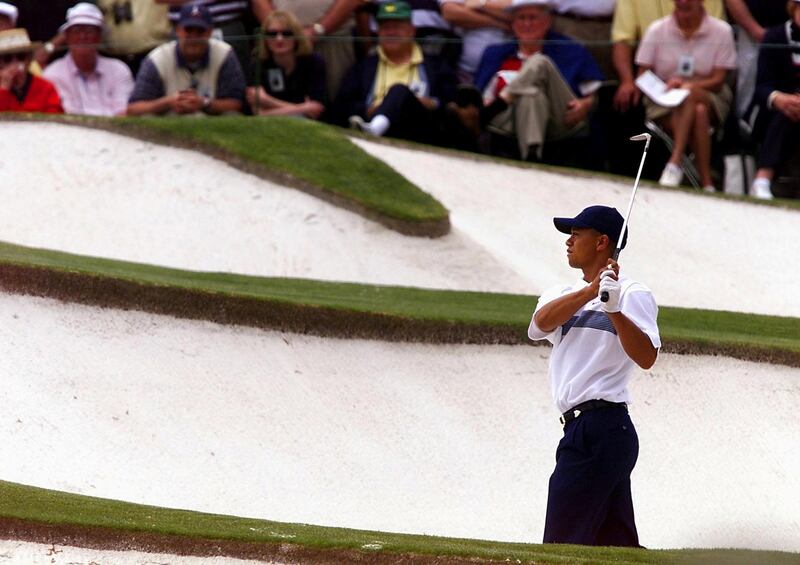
x,y
399,92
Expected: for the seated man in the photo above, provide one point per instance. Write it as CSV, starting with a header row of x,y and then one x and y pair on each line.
x,y
86,82
778,98
399,92
20,91
547,80
191,75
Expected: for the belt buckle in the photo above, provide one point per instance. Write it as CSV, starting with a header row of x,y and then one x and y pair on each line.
x,y
575,414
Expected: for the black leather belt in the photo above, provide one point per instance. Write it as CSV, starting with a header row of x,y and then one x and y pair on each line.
x,y
577,410
582,18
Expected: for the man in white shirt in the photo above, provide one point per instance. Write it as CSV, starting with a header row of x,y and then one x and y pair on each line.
x,y
595,347
88,83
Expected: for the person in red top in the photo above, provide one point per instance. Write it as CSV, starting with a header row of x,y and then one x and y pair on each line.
x,y
20,91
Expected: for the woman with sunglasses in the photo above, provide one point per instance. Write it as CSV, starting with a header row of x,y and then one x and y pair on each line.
x,y
289,79
20,91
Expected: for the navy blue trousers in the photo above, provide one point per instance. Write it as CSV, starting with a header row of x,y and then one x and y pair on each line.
x,y
589,501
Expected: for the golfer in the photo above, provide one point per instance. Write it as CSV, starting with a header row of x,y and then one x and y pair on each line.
x,y
595,346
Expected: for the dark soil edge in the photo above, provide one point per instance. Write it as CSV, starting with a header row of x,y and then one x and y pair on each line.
x,y
108,292
424,228
102,538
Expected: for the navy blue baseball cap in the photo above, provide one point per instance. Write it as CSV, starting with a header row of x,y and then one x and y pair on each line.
x,y
195,15
603,219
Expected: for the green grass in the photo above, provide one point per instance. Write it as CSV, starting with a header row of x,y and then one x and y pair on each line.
x,y
701,327
56,508
313,152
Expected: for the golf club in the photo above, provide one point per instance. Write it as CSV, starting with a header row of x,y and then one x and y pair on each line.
x,y
641,137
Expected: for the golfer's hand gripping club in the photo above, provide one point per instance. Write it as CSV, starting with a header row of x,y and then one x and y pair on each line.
x,y
604,296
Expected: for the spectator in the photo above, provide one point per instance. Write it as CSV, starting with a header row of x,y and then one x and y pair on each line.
x,y
8,16
399,92
87,82
229,19
133,29
42,20
547,80
778,95
329,24
193,74
20,91
752,18
588,21
434,34
481,23
690,50
292,77
631,20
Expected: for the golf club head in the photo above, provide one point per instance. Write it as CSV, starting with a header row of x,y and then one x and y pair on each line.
x,y
642,137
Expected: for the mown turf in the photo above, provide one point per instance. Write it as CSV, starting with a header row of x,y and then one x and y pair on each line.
x,y
743,335
58,508
307,150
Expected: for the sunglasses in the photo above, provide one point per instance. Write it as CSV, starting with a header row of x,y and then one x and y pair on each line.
x,y
274,33
8,59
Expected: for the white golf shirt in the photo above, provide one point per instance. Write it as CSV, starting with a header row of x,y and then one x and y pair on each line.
x,y
587,361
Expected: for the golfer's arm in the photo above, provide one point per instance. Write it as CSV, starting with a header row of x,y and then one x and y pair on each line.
x,y
634,341
558,312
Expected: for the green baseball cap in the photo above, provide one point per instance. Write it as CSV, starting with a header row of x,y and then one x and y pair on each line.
x,y
393,11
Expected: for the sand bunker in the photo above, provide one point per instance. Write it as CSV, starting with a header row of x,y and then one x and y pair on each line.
x,y
111,196
442,440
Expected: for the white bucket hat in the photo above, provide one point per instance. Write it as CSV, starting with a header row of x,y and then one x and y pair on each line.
x,y
83,13
516,4
10,12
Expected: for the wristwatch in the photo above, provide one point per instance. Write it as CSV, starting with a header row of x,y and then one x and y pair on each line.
x,y
318,28
49,47
206,103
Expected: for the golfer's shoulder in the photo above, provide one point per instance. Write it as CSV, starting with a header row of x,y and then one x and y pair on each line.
x,y
633,287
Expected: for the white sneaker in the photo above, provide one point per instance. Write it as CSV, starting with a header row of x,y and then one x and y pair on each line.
x,y
671,176
710,188
357,122
761,189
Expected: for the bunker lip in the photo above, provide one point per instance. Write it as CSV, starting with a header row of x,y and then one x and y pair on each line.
x,y
108,292
278,552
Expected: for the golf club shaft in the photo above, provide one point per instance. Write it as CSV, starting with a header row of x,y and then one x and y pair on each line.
x,y
621,238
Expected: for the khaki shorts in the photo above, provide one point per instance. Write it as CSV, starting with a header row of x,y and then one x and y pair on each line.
x,y
720,103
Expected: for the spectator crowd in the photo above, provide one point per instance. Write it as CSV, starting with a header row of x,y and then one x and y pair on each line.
x,y
539,80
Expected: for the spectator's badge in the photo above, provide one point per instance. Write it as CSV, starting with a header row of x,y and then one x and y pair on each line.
x,y
275,80
686,66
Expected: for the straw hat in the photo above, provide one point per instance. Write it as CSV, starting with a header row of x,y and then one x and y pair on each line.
x,y
17,41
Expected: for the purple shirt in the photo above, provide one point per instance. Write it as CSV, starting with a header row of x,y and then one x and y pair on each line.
x,y
104,92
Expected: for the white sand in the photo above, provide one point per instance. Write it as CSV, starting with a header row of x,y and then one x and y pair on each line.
x,y
691,249
443,440
107,195
111,196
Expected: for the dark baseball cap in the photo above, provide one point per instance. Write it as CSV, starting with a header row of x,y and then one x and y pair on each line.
x,y
603,219
393,11
195,15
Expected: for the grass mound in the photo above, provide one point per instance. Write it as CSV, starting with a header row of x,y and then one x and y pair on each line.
x,y
310,156
358,310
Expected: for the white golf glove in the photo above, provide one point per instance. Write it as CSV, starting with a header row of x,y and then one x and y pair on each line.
x,y
614,290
